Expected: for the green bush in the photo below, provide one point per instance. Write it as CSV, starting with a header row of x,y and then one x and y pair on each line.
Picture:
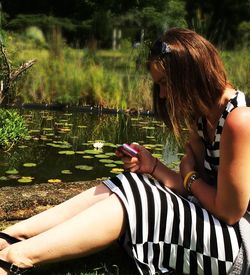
x,y
35,34
12,128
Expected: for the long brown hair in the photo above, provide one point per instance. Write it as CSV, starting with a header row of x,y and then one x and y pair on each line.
x,y
195,77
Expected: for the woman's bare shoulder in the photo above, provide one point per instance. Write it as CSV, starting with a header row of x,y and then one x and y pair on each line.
x,y
238,121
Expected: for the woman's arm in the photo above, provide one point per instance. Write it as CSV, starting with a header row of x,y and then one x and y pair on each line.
x,y
230,200
146,163
170,178
198,151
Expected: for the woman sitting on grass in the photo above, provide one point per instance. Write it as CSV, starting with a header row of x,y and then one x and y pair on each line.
x,y
194,221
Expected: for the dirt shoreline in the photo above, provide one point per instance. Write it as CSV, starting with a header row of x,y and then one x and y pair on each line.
x,y
21,202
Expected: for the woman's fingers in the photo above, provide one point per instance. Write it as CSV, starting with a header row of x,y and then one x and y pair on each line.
x,y
131,164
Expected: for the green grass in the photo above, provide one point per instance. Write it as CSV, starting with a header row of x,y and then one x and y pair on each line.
x,y
237,65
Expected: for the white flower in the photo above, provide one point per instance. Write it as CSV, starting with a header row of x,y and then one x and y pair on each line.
x,y
98,145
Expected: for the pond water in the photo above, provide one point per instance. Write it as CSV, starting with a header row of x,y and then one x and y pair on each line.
x,y
60,146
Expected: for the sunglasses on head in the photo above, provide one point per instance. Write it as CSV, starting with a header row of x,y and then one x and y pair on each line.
x,y
159,47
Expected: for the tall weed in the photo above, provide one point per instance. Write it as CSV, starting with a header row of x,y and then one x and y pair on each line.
x,y
114,79
237,65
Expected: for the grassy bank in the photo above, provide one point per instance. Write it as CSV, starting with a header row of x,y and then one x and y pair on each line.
x,y
65,75
115,79
237,65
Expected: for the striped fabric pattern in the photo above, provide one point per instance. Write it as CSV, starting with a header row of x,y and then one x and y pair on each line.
x,y
212,153
168,232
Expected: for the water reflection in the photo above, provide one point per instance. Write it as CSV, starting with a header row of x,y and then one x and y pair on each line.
x,y
60,146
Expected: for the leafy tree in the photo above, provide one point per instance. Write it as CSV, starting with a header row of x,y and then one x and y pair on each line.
x,y
218,20
102,31
175,14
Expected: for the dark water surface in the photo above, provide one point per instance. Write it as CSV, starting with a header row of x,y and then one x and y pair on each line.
x,y
60,146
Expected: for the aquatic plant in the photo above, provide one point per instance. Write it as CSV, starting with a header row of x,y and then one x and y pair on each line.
x,y
12,128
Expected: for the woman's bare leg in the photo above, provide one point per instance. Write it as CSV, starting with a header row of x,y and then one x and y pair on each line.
x,y
87,232
58,214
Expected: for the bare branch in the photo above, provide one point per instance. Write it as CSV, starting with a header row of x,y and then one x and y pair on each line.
x,y
21,69
10,75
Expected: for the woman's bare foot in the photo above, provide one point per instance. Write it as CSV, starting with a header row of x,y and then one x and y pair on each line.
x,y
12,262
6,240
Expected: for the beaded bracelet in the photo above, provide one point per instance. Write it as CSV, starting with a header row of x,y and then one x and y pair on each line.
x,y
153,170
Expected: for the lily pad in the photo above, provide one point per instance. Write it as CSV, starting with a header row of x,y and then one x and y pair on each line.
x,y
88,157
157,155
25,179
93,152
66,172
34,131
102,156
66,152
106,160
110,154
110,165
159,145
47,129
158,149
84,167
149,146
117,170
64,146
44,138
81,126
64,130
12,172
148,127
150,137
54,181
53,145
80,152
29,164
3,178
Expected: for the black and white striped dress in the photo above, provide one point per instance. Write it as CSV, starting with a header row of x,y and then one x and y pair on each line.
x,y
168,232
